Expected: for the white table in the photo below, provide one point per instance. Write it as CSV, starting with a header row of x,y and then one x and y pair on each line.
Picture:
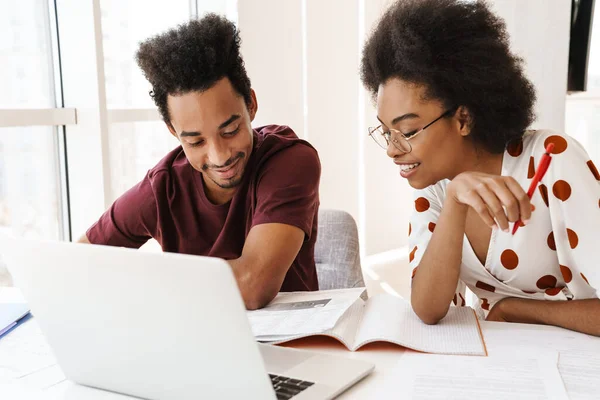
x,y
49,382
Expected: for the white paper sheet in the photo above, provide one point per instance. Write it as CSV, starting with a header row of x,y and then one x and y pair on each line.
x,y
502,336
431,377
580,371
302,312
579,354
23,352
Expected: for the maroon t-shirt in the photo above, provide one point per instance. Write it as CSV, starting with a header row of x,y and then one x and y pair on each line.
x,y
280,185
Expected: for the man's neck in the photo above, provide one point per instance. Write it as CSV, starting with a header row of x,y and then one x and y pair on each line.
x,y
216,194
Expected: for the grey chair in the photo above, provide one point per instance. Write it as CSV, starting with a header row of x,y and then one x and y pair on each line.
x,y
337,254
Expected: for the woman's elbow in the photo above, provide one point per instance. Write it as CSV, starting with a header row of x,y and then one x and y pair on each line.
x,y
429,319
428,314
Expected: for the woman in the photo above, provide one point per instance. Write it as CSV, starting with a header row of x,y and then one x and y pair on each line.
x,y
453,105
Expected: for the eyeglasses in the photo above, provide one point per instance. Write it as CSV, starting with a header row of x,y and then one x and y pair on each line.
x,y
399,138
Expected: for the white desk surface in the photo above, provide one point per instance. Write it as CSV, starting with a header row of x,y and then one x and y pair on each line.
x,y
49,383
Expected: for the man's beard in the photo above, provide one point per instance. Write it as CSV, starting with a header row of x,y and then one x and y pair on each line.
x,y
229,184
233,182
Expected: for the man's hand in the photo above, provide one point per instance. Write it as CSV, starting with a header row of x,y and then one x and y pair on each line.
x,y
84,239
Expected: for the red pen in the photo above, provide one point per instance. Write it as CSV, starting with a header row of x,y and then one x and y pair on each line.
x,y
539,174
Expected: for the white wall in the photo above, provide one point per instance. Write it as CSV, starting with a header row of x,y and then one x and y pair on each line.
x,y
539,31
303,58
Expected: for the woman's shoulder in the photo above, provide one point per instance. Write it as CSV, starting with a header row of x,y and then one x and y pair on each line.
x,y
535,142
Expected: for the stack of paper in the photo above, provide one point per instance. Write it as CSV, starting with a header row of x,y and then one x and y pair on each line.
x,y
524,362
578,360
301,313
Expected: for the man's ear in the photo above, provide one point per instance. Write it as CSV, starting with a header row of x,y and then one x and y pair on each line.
x,y
464,120
172,130
253,106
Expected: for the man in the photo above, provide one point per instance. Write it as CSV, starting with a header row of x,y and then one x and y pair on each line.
x,y
248,196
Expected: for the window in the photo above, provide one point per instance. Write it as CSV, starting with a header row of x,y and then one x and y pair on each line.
x,y
30,180
138,138
29,183
583,109
149,141
124,25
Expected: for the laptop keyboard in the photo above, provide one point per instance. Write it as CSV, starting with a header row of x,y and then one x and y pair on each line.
x,y
286,388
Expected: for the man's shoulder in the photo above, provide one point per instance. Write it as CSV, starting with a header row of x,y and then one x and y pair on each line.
x,y
173,164
280,144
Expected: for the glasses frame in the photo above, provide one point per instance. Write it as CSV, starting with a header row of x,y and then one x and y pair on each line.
x,y
391,136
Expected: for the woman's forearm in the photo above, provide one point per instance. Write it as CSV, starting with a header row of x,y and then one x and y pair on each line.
x,y
436,278
577,315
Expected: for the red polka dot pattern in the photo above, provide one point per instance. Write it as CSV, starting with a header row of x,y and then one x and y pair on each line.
x,y
553,291
509,259
561,190
431,227
560,143
546,282
485,286
531,169
515,148
422,204
551,242
485,305
584,278
594,170
566,273
411,256
544,193
573,238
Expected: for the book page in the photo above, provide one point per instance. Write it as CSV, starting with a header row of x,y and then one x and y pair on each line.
x,y
346,328
432,377
389,318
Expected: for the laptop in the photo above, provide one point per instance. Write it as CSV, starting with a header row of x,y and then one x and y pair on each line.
x,y
160,326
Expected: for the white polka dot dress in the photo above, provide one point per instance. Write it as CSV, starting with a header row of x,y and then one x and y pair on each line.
x,y
556,256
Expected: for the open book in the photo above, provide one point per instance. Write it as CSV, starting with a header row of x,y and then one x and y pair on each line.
x,y
387,318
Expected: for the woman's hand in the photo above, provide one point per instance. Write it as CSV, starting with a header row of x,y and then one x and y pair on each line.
x,y
497,199
499,312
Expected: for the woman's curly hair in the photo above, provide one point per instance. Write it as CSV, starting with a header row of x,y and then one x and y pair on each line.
x,y
193,56
459,51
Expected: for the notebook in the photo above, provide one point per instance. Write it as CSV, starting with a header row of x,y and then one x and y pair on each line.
x,y
387,318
